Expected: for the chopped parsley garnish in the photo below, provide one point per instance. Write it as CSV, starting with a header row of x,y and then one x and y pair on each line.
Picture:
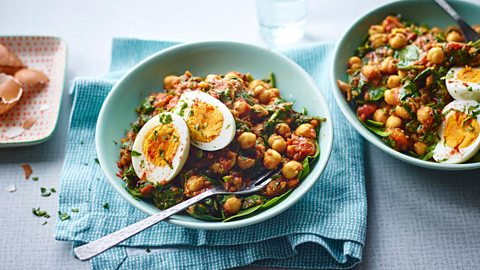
x,y
135,153
106,205
40,213
147,250
44,223
165,119
75,210
115,142
35,178
161,153
45,192
63,216
96,161
53,190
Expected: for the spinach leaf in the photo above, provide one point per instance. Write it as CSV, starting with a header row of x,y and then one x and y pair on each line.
x,y
374,123
407,57
307,161
274,200
377,130
376,94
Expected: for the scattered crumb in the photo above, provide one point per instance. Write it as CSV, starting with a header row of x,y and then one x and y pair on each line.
x,y
29,122
27,170
13,132
11,188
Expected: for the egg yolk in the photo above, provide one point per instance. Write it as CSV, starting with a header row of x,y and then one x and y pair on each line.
x,y
160,145
469,74
461,130
205,122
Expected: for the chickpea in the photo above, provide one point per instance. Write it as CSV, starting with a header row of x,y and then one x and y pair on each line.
x,y
232,205
435,55
195,183
402,74
259,111
429,81
394,81
241,107
275,92
306,130
380,115
378,40
388,66
271,159
397,41
265,96
477,28
376,29
233,75
425,115
274,137
390,96
170,81
247,140
279,145
203,85
402,112
283,130
291,169
420,148
454,36
257,90
393,122
371,72
435,30
355,62
253,84
245,162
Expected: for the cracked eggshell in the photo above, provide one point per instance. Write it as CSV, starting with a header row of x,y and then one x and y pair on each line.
x,y
9,61
32,79
10,92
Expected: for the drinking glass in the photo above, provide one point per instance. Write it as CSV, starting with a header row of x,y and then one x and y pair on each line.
x,y
282,22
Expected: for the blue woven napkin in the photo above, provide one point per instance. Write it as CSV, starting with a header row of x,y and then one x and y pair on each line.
x,y
325,229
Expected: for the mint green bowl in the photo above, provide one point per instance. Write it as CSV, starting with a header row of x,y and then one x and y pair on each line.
x,y
202,59
418,11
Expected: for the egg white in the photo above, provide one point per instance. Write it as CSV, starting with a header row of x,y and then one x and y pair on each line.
x,y
446,154
153,173
461,90
227,132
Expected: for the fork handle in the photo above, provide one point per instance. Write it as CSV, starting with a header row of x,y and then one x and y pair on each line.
x,y
467,30
100,245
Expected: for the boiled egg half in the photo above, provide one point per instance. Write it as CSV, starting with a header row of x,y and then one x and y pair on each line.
x,y
463,83
161,148
459,132
211,124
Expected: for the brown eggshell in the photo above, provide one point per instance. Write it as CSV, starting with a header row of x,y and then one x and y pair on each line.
x,y
31,79
10,92
9,62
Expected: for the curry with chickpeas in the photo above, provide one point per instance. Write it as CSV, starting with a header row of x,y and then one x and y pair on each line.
x,y
396,81
269,135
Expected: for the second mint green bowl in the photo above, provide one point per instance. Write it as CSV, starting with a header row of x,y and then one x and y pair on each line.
x,y
419,12
202,59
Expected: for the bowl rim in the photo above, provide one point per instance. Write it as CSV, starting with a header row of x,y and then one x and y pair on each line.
x,y
368,135
206,225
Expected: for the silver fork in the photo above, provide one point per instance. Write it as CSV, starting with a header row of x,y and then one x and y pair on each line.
x,y
469,33
100,245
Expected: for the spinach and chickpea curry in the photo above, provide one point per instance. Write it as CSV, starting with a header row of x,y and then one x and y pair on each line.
x,y
269,135
396,81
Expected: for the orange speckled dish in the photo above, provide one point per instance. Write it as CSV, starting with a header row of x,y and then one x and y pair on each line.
x,y
48,54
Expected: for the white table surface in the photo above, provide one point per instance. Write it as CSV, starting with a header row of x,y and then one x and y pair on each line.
x,y
88,27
